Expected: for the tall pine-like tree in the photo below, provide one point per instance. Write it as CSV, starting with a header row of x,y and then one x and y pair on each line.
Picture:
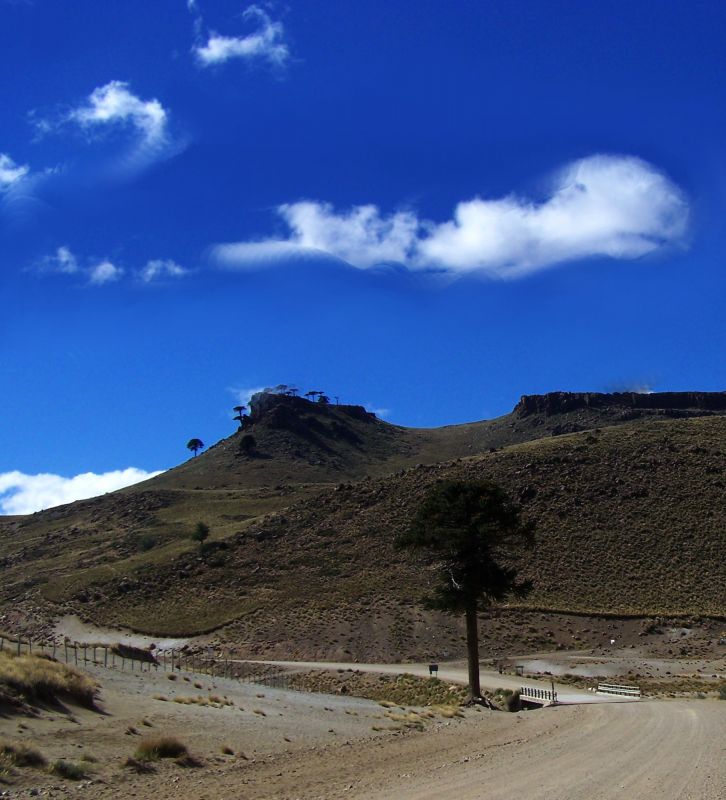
x,y
472,534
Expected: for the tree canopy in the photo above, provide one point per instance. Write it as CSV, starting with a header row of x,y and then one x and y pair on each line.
x,y
472,533
195,445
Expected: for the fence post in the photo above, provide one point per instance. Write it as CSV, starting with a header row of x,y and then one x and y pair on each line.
x,y
75,652
18,644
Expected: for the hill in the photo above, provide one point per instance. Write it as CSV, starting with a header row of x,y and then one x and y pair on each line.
x,y
627,491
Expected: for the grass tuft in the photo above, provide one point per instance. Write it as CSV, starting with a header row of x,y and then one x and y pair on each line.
x,y
19,755
69,770
41,680
152,748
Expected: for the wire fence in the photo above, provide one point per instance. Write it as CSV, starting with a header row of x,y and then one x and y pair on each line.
x,y
124,657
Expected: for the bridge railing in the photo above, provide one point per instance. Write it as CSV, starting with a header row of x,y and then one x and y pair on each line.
x,y
619,689
537,694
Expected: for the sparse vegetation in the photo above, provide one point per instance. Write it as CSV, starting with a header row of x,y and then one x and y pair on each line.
x,y
35,679
19,755
302,520
389,690
152,748
69,770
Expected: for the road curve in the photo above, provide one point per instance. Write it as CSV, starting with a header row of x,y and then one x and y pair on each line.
x,y
660,750
454,673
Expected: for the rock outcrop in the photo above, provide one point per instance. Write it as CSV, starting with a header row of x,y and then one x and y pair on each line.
x,y
680,403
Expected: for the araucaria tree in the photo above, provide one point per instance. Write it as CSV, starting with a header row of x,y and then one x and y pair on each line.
x,y
201,533
195,445
473,534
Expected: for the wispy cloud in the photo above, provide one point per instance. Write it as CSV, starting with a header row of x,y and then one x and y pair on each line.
x,y
10,172
265,43
243,395
115,104
160,268
604,205
104,272
62,261
24,494
114,108
98,272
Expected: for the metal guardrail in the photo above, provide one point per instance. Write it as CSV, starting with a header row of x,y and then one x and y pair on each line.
x,y
619,689
537,694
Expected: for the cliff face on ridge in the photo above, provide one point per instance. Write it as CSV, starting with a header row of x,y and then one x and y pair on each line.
x,y
667,403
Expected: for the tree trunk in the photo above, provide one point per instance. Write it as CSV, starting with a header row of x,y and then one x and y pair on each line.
x,y
472,647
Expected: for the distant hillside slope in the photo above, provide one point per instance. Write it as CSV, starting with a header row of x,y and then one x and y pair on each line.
x,y
630,511
298,441
630,521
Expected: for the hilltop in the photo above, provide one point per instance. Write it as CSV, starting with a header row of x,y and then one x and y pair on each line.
x,y
627,491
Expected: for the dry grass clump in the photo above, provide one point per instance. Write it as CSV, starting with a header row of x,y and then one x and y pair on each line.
x,y
213,701
152,748
19,755
140,767
389,690
37,679
69,770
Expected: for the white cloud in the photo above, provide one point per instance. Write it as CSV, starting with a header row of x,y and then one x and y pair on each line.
x,y
10,172
104,272
243,396
266,43
62,261
379,412
161,268
115,107
614,206
114,104
24,494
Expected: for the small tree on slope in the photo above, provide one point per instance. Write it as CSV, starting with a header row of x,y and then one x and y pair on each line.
x,y
467,530
195,445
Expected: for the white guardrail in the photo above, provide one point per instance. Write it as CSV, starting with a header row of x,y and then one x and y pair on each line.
x,y
531,693
614,688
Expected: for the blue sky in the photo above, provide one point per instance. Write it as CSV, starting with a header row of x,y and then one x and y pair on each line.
x,y
426,207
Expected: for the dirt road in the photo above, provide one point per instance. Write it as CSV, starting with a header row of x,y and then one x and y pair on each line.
x,y
457,673
661,750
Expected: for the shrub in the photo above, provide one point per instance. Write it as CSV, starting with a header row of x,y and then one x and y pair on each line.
x,y
152,748
66,769
722,692
38,679
18,755
147,543
137,766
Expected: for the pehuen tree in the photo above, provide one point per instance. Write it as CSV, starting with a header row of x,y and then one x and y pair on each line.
x,y
200,533
195,445
472,534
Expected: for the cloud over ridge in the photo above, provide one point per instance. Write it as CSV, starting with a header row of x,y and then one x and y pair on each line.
x,y
601,206
24,494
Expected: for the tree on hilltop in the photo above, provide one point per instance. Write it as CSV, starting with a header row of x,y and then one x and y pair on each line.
x,y
195,445
466,530
240,414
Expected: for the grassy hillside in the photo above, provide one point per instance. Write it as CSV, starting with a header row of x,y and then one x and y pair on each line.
x,y
631,520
